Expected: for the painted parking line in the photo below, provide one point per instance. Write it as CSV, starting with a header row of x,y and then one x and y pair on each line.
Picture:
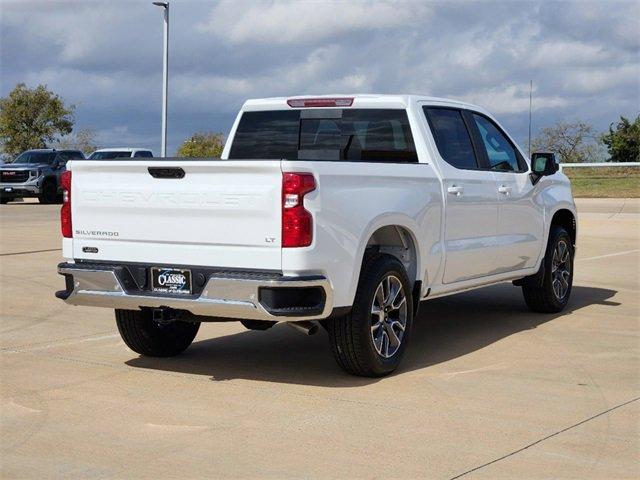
x,y
59,343
610,255
30,251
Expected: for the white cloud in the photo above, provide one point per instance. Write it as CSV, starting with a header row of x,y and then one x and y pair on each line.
x,y
307,21
513,99
594,81
584,57
557,53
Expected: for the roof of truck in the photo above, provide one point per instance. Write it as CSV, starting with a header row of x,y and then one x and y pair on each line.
x,y
359,100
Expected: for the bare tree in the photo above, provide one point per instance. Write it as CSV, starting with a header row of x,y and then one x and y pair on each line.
x,y
572,142
84,139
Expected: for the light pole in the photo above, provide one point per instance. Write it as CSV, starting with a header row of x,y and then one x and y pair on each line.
x,y
165,76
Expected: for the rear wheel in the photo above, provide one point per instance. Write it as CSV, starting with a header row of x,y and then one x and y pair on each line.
x,y
147,337
49,193
371,340
557,278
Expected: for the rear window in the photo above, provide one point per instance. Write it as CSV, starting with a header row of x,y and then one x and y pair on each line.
x,y
74,155
359,135
108,155
143,154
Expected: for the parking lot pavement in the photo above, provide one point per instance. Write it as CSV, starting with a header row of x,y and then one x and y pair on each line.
x,y
487,389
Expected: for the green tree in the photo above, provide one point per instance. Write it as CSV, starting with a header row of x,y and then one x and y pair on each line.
x,y
32,118
84,140
202,145
623,141
572,142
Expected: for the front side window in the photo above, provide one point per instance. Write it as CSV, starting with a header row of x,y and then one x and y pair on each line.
x,y
501,153
452,137
360,135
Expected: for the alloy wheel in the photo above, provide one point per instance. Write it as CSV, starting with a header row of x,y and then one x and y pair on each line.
x,y
388,316
561,270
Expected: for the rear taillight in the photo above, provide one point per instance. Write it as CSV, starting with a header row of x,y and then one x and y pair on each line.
x,y
297,223
65,211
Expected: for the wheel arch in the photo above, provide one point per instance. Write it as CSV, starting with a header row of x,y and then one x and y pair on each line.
x,y
394,236
565,218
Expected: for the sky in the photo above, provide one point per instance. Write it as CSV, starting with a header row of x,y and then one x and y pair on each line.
x,y
105,57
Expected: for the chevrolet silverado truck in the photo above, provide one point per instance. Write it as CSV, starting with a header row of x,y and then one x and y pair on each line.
x,y
343,211
35,173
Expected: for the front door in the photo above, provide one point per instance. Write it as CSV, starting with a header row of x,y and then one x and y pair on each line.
x,y
471,199
520,216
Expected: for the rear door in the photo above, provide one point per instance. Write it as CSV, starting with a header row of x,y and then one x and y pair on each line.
x,y
177,212
471,200
520,217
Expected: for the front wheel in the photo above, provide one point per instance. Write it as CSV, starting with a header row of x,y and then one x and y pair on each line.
x,y
147,337
371,340
557,278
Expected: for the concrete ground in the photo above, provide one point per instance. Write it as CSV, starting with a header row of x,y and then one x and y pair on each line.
x,y
487,389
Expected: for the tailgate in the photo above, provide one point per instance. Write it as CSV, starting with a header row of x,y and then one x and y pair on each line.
x,y
221,213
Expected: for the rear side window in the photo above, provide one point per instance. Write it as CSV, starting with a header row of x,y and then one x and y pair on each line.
x,y
501,153
143,154
452,137
365,135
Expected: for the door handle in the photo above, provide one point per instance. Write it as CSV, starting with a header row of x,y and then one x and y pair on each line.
x,y
504,189
455,190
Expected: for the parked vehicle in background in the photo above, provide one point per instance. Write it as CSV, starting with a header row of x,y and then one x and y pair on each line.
x,y
348,211
36,173
110,153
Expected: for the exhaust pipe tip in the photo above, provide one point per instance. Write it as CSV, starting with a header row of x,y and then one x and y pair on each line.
x,y
306,327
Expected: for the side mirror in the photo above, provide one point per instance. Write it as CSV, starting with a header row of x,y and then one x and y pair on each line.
x,y
543,164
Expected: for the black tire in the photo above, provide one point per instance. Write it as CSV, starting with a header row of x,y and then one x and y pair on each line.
x,y
5,200
351,335
544,298
153,339
49,193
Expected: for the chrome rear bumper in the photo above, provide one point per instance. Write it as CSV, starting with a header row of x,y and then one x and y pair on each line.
x,y
222,296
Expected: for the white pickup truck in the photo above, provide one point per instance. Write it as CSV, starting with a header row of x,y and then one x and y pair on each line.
x,y
346,211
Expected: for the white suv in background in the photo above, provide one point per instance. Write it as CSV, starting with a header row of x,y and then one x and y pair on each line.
x,y
110,153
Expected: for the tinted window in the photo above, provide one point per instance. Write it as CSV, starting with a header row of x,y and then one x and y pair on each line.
x,y
35,157
109,155
452,137
75,155
501,154
369,135
143,154
267,135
